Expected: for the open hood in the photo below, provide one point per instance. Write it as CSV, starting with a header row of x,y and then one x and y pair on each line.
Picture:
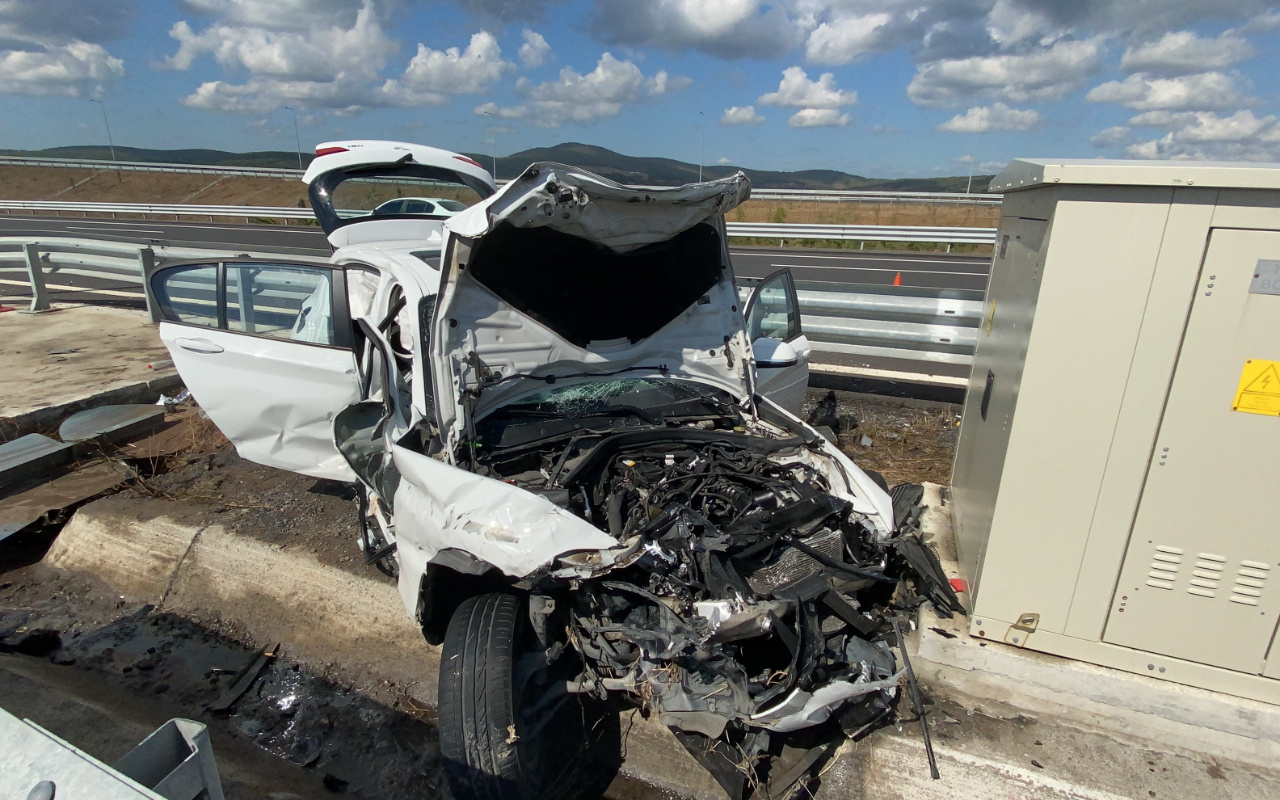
x,y
377,173
566,276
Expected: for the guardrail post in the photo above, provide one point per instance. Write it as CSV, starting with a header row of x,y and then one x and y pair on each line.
x,y
39,294
147,265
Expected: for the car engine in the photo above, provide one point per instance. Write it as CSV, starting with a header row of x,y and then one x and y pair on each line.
x,y
752,611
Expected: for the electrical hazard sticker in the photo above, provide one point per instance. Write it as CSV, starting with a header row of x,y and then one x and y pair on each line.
x,y
1259,390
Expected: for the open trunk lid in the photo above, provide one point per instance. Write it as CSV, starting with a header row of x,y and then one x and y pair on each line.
x,y
377,171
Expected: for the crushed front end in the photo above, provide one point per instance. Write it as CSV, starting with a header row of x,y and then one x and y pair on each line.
x,y
747,604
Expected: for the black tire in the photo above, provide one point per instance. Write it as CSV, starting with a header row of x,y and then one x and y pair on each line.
x,y
485,755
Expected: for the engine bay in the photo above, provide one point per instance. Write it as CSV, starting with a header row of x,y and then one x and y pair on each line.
x,y
753,609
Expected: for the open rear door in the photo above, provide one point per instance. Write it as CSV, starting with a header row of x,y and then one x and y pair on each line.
x,y
778,341
266,348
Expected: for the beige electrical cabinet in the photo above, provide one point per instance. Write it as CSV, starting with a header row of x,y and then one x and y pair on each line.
x,y
1116,491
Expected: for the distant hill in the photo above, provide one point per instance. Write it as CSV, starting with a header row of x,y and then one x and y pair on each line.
x,y
618,167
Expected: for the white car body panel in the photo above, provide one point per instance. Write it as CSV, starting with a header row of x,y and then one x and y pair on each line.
x,y
783,385
439,506
274,399
423,234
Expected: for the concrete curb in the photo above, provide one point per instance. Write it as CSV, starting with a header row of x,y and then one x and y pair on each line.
x,y
47,418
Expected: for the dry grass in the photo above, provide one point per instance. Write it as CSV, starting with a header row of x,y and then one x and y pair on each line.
x,y
909,444
813,212
67,184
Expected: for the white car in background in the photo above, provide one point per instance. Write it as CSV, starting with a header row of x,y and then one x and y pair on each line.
x,y
419,206
579,455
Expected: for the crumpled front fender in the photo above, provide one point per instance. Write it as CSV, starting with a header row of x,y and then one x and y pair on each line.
x,y
439,506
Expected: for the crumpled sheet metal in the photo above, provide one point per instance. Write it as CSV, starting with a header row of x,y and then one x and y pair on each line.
x,y
439,506
581,204
24,508
803,709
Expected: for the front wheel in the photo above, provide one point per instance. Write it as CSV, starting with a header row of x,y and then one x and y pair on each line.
x,y
490,750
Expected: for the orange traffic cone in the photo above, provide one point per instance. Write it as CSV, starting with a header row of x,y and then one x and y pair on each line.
x,y
897,279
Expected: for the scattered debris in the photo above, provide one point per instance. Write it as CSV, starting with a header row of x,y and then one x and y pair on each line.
x,y
945,634
1036,764
111,424
25,508
245,679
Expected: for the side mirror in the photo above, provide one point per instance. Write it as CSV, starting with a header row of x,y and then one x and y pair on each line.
x,y
774,354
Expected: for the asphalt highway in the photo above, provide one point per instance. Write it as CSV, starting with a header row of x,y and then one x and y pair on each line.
x,y
936,270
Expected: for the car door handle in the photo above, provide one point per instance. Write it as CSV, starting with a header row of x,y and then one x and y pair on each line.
x,y
198,345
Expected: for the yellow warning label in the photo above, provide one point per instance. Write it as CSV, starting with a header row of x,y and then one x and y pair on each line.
x,y
1259,389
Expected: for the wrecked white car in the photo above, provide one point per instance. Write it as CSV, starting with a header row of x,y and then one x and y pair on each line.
x,y
579,454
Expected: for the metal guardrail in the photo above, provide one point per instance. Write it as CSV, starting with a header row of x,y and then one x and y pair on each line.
x,y
125,264
826,195
758,230
866,233
867,196
910,323
158,209
148,166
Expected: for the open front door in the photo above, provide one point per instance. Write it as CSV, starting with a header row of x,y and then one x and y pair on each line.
x,y
266,348
778,341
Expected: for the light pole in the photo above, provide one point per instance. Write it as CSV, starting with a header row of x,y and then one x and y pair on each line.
x,y
970,186
702,150
110,143
493,142
297,139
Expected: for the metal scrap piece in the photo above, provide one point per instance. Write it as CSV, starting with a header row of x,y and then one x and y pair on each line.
x,y
246,678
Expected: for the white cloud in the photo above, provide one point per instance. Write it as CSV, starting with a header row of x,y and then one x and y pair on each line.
x,y
723,160
1116,134
1206,136
575,97
1183,52
991,167
846,39
996,117
724,28
797,90
67,69
308,59
1141,92
53,47
534,50
818,118
432,75
1049,73
741,115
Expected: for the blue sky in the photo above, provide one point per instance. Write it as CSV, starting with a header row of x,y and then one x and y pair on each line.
x,y
888,88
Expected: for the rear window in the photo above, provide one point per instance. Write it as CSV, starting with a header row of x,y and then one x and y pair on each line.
x,y
586,292
341,197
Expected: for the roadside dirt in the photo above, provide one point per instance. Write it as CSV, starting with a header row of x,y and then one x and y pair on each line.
x,y
906,441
